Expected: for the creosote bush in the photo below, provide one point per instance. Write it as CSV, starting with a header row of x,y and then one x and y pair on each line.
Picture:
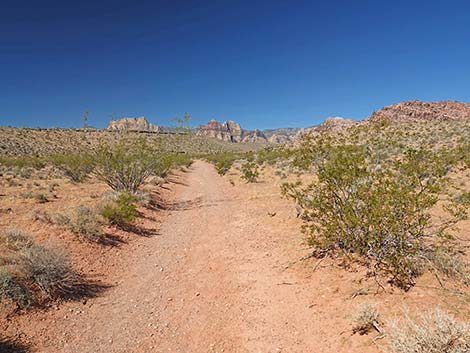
x,y
125,166
223,161
76,166
121,211
433,332
250,172
27,161
31,273
375,208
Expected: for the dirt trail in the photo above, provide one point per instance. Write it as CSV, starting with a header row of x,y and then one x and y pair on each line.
x,y
213,280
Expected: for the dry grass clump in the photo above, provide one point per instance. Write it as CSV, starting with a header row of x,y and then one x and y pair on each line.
x,y
31,273
38,196
366,319
82,221
451,264
433,332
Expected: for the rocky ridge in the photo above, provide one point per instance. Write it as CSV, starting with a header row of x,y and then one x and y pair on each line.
x,y
132,124
418,110
230,131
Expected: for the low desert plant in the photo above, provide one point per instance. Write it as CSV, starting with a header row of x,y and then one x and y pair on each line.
x,y
433,332
27,161
223,161
125,167
464,198
76,166
249,172
376,209
29,272
82,221
122,211
366,319
38,196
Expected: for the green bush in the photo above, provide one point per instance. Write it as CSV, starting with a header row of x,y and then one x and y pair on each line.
x,y
125,166
30,273
223,161
76,166
249,172
122,211
464,198
23,162
376,209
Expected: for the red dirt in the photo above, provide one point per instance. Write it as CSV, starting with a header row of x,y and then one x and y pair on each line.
x,y
216,278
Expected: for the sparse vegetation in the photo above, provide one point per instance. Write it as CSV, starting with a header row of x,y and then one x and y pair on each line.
x,y
124,167
433,332
223,161
31,273
376,208
121,211
366,319
82,221
76,166
250,172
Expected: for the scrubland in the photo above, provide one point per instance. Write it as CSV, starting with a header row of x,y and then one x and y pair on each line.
x,y
374,216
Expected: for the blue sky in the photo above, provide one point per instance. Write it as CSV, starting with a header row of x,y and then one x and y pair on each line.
x,y
262,63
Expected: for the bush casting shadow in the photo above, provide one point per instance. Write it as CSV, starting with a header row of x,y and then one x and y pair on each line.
x,y
9,346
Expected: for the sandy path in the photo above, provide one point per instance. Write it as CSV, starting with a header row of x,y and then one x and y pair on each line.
x,y
212,281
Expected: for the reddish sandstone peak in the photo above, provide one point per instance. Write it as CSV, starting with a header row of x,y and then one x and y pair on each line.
x,y
231,131
419,110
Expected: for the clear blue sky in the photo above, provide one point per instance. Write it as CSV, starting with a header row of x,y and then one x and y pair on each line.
x,y
262,63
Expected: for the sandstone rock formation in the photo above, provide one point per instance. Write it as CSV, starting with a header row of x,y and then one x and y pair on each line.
x,y
335,123
254,136
132,124
230,131
279,139
419,110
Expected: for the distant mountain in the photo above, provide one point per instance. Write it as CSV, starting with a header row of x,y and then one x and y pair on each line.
x,y
330,123
403,112
132,124
283,131
230,131
419,110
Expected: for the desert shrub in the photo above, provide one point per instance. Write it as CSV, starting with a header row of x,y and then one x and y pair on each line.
x,y
270,155
38,196
125,167
464,198
143,198
376,209
13,288
223,161
29,272
181,160
23,162
82,221
433,332
249,172
76,166
122,211
448,262
366,319
168,161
